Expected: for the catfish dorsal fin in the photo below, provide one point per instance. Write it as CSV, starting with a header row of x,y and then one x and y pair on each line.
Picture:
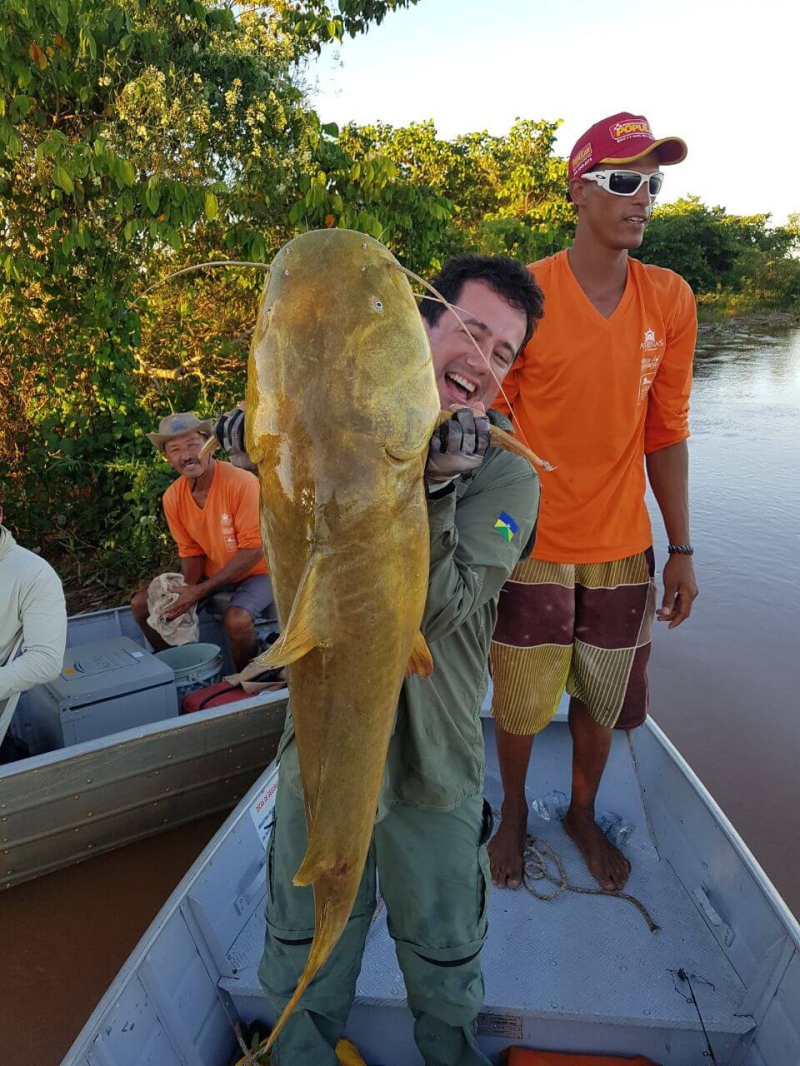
x,y
303,631
421,661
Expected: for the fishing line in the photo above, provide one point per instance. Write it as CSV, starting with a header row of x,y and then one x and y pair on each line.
x,y
682,975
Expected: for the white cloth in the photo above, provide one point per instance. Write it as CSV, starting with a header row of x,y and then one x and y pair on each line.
x,y
162,592
31,603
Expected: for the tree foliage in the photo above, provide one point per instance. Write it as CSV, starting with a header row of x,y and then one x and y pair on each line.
x,y
506,194
137,137
718,252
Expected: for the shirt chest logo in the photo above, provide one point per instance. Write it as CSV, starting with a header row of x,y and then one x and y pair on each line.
x,y
651,342
228,533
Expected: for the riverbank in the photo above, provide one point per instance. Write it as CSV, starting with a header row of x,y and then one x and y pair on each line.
x,y
732,315
94,596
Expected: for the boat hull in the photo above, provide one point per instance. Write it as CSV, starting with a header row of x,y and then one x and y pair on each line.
x,y
61,807
579,973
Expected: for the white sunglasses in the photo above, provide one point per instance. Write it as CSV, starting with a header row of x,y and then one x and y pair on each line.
x,y
625,182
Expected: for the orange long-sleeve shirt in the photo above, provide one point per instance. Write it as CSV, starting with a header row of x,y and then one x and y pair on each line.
x,y
593,395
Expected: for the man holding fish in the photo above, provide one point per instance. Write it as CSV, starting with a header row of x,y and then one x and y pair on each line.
x,y
477,515
603,387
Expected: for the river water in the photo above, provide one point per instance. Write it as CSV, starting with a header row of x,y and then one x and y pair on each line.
x,y
725,684
724,687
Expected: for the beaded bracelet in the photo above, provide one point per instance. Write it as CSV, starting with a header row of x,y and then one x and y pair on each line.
x,y
680,549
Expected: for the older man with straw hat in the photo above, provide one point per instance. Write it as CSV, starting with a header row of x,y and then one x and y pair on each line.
x,y
212,513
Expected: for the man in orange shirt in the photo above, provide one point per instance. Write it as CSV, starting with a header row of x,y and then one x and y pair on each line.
x,y
601,390
213,516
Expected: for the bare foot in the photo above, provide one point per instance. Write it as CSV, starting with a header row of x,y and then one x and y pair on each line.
x,y
607,864
507,848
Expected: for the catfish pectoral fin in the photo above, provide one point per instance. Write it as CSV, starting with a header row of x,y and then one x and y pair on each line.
x,y
421,661
306,626
501,439
304,631
298,640
288,648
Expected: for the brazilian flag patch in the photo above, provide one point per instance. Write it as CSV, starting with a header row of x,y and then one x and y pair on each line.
x,y
506,526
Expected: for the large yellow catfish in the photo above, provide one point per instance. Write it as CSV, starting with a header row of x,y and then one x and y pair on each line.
x,y
341,404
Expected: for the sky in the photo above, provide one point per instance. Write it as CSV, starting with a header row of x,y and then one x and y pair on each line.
x,y
722,75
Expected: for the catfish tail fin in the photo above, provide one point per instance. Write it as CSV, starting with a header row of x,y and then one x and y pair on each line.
x,y
334,896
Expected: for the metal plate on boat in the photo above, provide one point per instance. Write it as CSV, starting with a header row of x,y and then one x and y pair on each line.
x,y
491,1023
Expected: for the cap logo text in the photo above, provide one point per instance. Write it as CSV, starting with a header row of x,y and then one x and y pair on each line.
x,y
621,131
581,158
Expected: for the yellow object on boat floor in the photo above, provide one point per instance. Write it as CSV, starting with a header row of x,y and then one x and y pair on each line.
x,y
346,1053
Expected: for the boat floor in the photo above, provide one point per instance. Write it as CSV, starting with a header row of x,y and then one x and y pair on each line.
x,y
577,957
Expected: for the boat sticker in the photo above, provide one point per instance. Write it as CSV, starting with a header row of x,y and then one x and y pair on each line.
x,y
261,810
491,1023
506,526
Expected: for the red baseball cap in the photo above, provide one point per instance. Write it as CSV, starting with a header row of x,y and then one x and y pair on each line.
x,y
622,138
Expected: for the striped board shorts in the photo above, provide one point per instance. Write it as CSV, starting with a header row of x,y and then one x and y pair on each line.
x,y
586,626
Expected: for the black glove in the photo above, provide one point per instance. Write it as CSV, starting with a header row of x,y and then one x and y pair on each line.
x,y
229,431
457,446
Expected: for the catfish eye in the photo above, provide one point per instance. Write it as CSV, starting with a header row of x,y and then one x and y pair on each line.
x,y
376,303
269,311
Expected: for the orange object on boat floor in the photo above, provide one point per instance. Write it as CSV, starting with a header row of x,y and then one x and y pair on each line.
x,y
522,1056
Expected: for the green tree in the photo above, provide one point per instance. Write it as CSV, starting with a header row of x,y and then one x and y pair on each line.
x,y
692,239
505,194
709,247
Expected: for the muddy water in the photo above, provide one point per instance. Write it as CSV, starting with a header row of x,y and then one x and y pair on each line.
x,y
725,688
725,684
64,937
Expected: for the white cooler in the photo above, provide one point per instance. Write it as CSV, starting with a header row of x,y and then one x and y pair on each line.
x,y
102,689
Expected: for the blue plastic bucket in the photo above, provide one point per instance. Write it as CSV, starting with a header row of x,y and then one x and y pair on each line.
x,y
195,666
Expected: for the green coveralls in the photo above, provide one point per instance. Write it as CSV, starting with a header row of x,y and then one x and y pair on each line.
x,y
429,844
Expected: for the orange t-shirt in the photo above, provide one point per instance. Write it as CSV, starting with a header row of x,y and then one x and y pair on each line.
x,y
229,521
593,395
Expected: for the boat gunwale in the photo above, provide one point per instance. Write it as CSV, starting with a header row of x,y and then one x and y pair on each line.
x,y
127,736
171,906
124,736
732,835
